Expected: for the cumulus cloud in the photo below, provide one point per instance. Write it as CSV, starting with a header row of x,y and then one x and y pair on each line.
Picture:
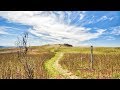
x,y
54,27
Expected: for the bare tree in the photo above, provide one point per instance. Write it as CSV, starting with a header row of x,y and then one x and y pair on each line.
x,y
22,44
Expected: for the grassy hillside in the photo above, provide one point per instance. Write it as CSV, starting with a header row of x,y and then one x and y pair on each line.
x,y
40,62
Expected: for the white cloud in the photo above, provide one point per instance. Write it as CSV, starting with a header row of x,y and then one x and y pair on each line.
x,y
49,26
115,30
105,18
109,38
2,30
5,30
82,15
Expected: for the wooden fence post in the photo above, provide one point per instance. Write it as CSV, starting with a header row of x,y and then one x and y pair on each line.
x,y
91,57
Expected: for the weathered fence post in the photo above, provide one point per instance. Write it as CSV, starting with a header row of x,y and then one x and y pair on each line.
x,y
91,57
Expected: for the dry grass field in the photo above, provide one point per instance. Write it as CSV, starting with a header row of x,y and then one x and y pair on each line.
x,y
106,62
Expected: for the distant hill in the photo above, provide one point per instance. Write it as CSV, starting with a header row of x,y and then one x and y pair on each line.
x,y
57,45
6,46
2,47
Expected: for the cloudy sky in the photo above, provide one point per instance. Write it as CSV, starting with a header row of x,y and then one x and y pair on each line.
x,y
98,28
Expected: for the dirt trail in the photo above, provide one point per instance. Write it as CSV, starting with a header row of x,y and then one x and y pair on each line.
x,y
67,74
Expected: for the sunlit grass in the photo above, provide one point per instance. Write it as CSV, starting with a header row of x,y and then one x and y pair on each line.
x,y
106,62
49,65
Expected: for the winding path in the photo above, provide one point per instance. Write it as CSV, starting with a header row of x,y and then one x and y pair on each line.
x,y
56,70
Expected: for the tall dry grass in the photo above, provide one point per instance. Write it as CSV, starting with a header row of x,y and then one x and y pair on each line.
x,y
31,66
106,63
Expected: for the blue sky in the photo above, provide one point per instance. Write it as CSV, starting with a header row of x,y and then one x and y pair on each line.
x,y
79,28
